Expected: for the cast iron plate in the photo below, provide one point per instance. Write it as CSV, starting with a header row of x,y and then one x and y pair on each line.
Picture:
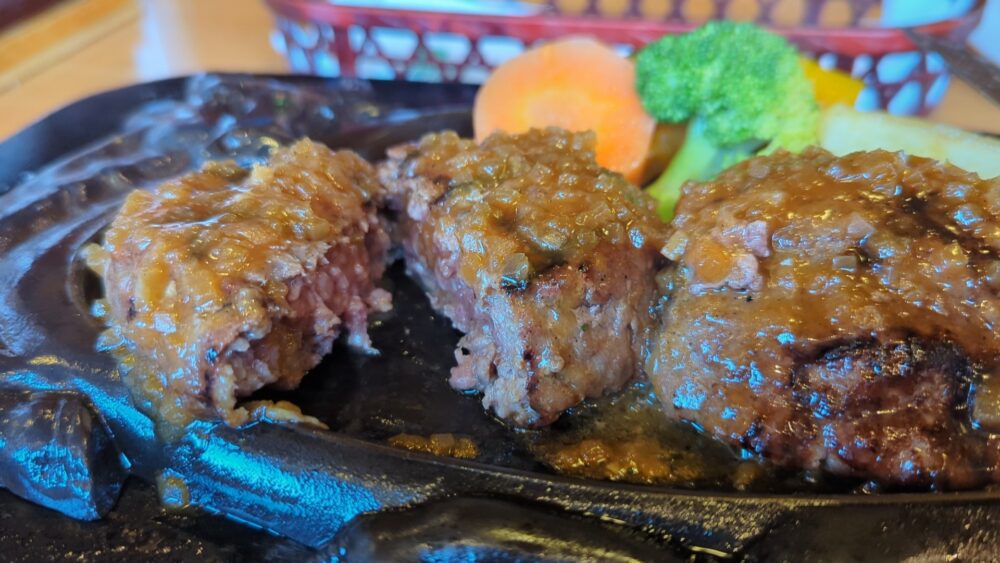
x,y
62,178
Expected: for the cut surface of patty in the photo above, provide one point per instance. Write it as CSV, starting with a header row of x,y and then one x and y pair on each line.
x,y
226,280
542,258
839,314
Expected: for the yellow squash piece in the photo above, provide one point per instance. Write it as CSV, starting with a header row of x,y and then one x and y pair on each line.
x,y
831,86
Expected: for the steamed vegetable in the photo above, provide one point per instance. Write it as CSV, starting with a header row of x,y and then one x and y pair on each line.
x,y
830,85
845,130
577,84
741,89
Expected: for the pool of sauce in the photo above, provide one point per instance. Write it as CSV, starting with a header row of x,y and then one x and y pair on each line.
x,y
626,438
444,444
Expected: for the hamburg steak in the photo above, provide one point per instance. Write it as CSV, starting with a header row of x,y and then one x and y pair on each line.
x,y
545,260
226,280
839,314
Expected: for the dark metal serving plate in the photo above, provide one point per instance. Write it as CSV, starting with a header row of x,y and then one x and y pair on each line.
x,y
341,492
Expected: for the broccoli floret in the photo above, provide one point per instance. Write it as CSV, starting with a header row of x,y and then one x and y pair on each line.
x,y
741,89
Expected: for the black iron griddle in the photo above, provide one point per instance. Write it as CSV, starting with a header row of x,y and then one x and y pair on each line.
x,y
338,493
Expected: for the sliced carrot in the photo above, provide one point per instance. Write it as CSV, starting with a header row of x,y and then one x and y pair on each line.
x,y
578,84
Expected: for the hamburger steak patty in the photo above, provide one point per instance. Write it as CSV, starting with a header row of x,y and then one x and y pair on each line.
x,y
224,281
544,260
839,314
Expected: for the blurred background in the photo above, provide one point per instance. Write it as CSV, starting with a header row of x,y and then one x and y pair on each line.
x,y
55,51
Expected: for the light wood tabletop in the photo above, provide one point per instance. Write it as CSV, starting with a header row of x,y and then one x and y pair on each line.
x,y
151,39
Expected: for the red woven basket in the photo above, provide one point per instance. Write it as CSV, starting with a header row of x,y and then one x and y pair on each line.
x,y
323,38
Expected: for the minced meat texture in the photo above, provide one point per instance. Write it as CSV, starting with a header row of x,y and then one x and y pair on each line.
x,y
543,258
224,280
838,314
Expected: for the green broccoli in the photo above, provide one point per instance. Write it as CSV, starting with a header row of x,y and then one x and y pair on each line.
x,y
740,87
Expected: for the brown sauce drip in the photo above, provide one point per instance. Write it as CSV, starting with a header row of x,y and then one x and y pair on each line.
x,y
446,445
626,438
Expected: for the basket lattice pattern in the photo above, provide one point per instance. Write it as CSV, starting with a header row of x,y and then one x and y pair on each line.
x,y
382,44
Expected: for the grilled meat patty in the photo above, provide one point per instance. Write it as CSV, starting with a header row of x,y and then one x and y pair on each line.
x,y
225,280
542,258
839,314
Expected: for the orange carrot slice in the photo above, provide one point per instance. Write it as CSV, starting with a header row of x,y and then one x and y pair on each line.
x,y
577,84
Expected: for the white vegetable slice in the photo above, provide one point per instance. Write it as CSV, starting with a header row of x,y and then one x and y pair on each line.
x,y
844,130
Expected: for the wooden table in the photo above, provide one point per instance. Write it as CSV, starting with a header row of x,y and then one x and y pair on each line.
x,y
163,38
